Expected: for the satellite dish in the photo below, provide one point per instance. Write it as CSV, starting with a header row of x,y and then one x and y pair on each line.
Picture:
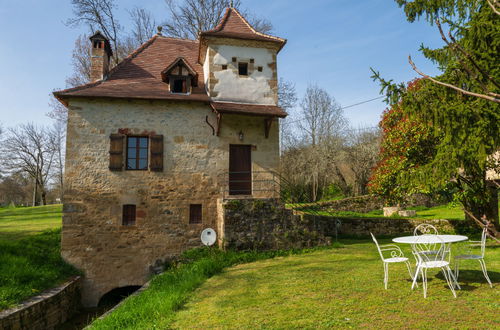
x,y
208,237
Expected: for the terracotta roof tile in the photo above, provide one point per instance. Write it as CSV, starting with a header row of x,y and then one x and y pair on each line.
x,y
249,109
139,75
234,25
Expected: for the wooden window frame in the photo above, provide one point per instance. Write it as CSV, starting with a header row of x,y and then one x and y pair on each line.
x,y
138,148
129,217
195,220
187,80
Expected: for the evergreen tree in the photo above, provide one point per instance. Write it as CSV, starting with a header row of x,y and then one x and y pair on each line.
x,y
468,126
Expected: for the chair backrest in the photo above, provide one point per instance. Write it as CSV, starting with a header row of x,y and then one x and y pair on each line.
x,y
425,229
429,248
378,247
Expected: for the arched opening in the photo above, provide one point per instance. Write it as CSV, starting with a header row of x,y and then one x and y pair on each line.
x,y
116,295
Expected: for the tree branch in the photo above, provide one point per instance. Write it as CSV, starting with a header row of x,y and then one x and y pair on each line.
x,y
493,6
495,99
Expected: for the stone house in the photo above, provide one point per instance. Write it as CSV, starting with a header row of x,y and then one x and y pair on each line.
x,y
157,143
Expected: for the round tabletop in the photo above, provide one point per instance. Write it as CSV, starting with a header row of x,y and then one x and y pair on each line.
x,y
428,239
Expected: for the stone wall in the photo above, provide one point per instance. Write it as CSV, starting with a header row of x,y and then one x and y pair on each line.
x,y
384,226
46,311
264,224
195,166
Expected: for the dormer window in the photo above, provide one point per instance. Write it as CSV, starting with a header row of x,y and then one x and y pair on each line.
x,y
179,85
180,76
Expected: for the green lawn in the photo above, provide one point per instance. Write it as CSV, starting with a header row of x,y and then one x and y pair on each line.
x,y
325,288
30,259
20,222
448,211
340,288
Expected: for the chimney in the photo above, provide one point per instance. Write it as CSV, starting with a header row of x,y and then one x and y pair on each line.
x,y
100,56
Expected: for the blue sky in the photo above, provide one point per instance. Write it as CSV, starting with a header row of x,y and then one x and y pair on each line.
x,y
332,43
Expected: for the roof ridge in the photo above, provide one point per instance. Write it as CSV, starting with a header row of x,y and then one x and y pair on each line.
x,y
252,28
179,39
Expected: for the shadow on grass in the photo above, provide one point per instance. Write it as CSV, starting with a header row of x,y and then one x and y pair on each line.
x,y
467,277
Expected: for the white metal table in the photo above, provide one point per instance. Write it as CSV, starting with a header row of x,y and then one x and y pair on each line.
x,y
431,239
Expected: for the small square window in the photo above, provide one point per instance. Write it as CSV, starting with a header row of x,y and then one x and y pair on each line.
x,y
252,60
224,66
234,59
128,216
259,69
243,69
195,213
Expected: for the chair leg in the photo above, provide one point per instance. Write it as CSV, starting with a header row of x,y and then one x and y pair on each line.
x,y
415,277
424,281
456,269
386,274
409,270
485,272
449,279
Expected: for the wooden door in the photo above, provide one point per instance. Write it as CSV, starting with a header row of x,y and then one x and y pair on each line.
x,y
240,169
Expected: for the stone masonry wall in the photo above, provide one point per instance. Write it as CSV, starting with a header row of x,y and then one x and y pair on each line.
x,y
264,224
46,311
195,163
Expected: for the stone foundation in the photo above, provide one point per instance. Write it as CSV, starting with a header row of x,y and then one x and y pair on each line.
x,y
46,311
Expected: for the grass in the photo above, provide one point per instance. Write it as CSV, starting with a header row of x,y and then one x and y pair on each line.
x,y
16,223
339,288
448,211
321,288
155,307
30,260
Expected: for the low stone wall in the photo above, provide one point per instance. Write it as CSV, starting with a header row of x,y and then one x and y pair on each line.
x,y
384,226
264,224
45,311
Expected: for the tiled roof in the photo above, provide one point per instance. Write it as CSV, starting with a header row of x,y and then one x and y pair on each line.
x,y
233,25
139,75
248,109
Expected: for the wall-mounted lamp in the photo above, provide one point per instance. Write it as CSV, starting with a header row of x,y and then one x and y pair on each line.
x,y
240,135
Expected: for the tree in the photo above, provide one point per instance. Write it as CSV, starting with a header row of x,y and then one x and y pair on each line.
x,y
28,149
361,155
407,144
468,126
287,99
191,17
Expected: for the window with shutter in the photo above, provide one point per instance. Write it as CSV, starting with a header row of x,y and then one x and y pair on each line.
x,y
195,213
128,218
156,150
116,152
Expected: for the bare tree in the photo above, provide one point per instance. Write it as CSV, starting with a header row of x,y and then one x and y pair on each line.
x,y
323,116
29,150
361,155
143,26
80,59
98,15
191,17
287,99
57,140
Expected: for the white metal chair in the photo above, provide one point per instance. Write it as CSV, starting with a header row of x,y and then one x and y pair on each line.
x,y
396,255
425,229
420,248
478,257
